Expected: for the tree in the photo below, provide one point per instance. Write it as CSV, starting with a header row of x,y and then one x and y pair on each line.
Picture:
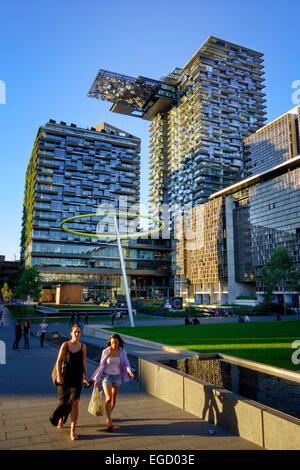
x,y
29,284
278,272
6,292
13,280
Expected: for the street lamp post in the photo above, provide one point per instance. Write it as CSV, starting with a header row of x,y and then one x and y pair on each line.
x,y
124,273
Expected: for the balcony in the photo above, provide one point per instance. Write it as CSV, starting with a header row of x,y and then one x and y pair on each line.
x,y
46,153
48,163
44,171
46,189
69,192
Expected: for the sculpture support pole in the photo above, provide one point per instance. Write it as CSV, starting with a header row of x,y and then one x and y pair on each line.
x,y
124,274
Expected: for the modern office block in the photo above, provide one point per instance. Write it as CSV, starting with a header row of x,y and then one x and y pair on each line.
x,y
199,114
201,252
226,241
273,143
72,172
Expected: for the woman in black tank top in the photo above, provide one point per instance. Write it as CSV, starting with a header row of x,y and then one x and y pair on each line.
x,y
74,354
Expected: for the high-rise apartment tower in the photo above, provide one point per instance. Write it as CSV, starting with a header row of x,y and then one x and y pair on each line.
x,y
75,172
200,114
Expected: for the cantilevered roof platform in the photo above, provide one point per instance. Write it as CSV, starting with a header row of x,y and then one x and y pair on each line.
x,y
134,96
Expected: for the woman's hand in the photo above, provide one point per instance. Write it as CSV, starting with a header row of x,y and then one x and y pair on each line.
x,y
96,384
60,380
131,374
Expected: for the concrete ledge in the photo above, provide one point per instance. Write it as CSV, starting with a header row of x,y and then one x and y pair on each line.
x,y
198,399
169,386
246,302
281,432
240,416
260,367
250,420
102,333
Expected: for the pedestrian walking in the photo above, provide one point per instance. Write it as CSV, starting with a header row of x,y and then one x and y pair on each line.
x,y
78,318
18,334
43,327
73,353
86,318
26,333
118,316
72,319
114,368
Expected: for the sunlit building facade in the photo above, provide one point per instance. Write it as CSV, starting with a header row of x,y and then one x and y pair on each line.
x,y
73,172
199,116
225,242
273,143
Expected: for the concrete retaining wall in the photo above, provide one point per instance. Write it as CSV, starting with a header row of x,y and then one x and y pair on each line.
x,y
249,420
256,423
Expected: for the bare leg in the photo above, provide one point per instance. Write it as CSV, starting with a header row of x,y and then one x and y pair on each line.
x,y
60,423
114,396
108,396
74,416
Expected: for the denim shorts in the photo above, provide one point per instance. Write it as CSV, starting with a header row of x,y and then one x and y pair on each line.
x,y
112,379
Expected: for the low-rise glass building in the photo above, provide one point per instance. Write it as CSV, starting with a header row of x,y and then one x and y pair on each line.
x,y
224,243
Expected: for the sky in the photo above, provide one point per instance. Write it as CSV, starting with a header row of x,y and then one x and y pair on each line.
x,y
50,53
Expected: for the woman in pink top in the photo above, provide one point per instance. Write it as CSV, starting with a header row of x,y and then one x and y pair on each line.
x,y
113,369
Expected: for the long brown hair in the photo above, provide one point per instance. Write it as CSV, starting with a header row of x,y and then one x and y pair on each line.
x,y
118,337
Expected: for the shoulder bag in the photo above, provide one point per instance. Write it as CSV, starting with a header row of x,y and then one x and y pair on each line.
x,y
62,370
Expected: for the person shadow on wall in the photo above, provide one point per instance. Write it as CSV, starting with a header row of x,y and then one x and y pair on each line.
x,y
210,410
219,409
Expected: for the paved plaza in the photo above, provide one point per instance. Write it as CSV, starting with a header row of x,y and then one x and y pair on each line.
x,y
142,422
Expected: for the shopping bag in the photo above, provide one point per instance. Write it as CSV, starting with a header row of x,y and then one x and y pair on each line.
x,y
96,404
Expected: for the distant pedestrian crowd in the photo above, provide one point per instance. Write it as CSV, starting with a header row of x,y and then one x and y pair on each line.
x,y
25,330
76,319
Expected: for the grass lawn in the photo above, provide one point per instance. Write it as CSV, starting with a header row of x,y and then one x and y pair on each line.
x,y
266,342
77,306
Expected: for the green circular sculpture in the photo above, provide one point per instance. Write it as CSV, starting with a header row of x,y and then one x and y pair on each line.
x,y
112,235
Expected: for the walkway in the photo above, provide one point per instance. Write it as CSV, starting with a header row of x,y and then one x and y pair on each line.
x,y
27,398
